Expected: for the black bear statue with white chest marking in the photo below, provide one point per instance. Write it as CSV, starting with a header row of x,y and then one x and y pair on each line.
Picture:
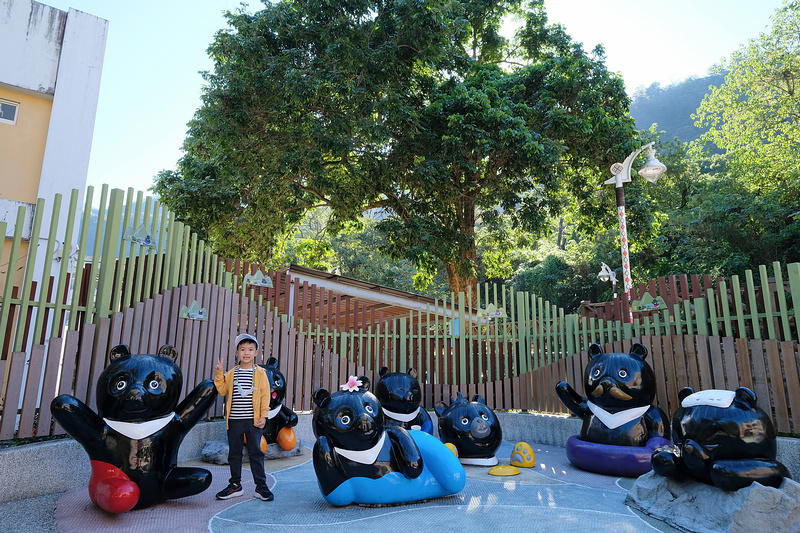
x,y
133,439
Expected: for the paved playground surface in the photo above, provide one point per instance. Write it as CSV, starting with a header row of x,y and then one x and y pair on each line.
x,y
553,496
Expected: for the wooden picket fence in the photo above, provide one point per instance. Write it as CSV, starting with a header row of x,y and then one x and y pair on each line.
x,y
56,331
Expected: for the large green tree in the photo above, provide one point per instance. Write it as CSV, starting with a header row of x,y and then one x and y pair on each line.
x,y
755,114
420,110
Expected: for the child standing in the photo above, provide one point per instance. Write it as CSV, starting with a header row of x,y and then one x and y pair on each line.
x,y
246,410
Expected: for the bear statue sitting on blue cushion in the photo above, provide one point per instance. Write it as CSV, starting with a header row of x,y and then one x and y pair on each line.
x,y
400,396
359,460
280,416
722,438
621,428
133,439
472,428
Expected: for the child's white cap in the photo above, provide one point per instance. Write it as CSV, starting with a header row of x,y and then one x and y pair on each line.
x,y
246,337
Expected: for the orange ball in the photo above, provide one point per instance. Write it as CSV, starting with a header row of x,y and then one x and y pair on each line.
x,y
286,438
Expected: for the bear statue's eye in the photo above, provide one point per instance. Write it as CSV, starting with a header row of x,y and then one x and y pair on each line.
x,y
622,373
277,383
596,373
485,416
464,421
121,384
345,419
368,408
154,384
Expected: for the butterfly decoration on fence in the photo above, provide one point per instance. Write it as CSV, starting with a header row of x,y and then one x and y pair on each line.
x,y
193,312
258,279
139,236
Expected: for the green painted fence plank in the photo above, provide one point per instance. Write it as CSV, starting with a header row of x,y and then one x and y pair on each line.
x,y
27,281
793,272
52,237
108,256
769,315
751,294
783,308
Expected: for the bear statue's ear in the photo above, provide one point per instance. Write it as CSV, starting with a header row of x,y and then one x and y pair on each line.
x,y
364,382
439,407
594,350
118,351
478,398
412,372
383,371
272,362
746,395
321,397
168,351
639,349
684,393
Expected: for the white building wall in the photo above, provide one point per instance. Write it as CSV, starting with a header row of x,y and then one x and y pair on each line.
x,y
57,55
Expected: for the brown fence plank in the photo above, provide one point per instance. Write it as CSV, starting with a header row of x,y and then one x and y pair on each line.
x,y
732,375
692,362
717,365
742,349
704,362
657,362
760,382
299,377
776,386
308,364
679,362
12,393
31,393
102,333
670,362
789,357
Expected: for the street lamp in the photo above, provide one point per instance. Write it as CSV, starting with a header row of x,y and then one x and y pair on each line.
x,y
652,170
606,274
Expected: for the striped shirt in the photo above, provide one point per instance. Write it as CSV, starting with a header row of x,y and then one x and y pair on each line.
x,y
242,399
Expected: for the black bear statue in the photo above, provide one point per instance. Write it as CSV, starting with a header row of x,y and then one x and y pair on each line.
x,y
620,426
400,395
358,459
722,438
280,416
133,439
472,427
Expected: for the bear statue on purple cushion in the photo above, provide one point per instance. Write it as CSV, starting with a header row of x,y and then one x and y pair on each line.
x,y
472,427
400,396
280,416
133,439
621,428
722,438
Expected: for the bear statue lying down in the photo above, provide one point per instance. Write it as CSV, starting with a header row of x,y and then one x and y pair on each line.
x,y
722,438
358,459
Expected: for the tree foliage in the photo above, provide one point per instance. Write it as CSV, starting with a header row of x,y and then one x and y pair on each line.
x,y
755,114
413,108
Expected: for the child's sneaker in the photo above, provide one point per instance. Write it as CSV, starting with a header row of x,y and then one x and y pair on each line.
x,y
231,491
265,494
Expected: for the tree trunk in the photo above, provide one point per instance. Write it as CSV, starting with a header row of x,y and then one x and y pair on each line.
x,y
461,273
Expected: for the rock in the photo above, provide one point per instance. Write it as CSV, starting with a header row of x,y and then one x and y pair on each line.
x,y
276,452
216,452
694,506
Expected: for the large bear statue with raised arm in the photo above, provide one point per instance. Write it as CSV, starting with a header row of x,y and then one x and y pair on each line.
x,y
621,428
133,439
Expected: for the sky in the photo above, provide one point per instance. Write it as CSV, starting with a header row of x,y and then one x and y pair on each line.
x,y
151,86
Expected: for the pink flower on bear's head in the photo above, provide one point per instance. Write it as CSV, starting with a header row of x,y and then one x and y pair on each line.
x,y
352,384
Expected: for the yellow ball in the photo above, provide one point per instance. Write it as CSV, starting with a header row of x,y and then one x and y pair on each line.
x,y
523,455
452,448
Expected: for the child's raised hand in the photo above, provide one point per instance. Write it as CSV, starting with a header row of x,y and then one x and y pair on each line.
x,y
219,364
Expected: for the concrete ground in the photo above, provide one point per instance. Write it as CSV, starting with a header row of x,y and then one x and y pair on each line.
x,y
553,496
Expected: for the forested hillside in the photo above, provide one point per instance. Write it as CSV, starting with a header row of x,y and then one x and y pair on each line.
x,y
672,107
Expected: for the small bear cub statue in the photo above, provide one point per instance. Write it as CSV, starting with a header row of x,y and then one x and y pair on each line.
x,y
400,396
133,439
280,416
722,438
358,459
472,427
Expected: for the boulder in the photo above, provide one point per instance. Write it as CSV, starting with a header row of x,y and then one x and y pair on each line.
x,y
701,508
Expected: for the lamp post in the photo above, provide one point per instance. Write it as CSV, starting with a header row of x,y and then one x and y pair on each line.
x,y
606,274
652,170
